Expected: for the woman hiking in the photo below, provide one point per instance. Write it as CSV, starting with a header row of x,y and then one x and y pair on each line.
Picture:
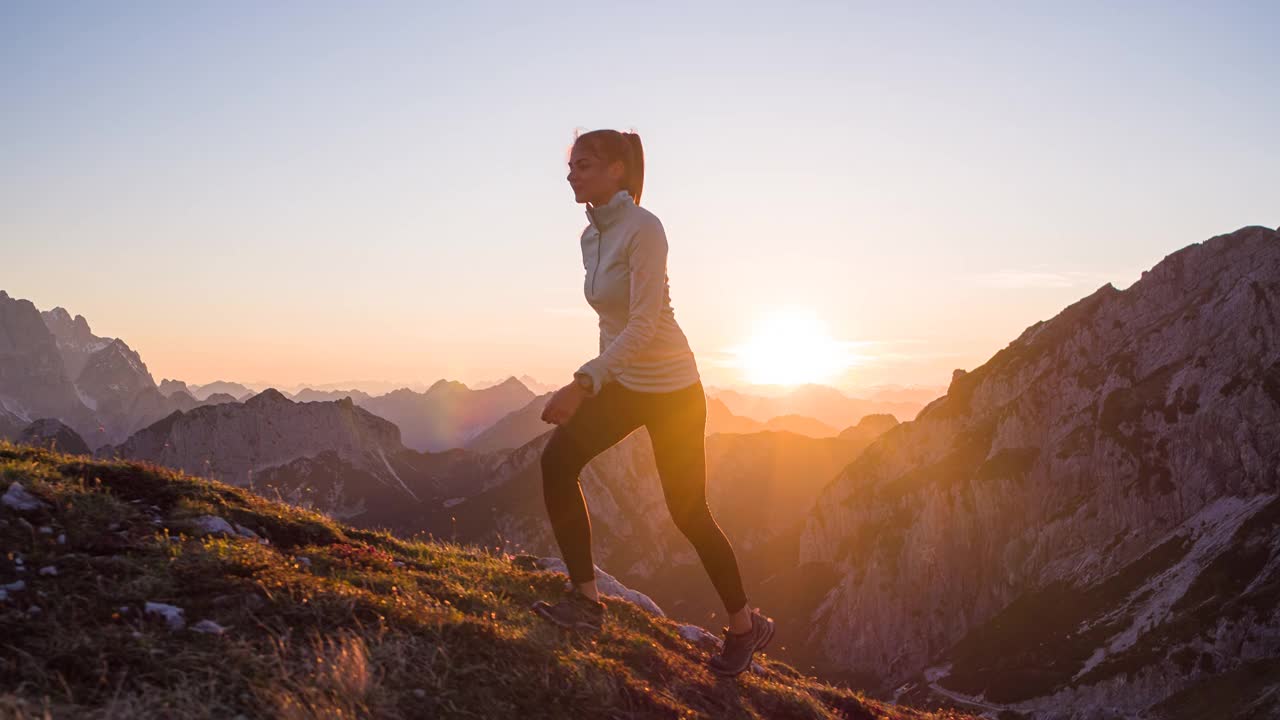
x,y
645,375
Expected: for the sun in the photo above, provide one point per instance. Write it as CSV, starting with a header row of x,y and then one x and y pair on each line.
x,y
791,346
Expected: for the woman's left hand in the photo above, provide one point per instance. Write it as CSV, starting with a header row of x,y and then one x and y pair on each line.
x,y
563,404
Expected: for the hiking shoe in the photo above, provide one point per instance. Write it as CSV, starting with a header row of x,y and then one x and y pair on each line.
x,y
574,611
738,649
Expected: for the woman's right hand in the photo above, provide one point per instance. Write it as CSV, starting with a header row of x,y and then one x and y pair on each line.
x,y
563,404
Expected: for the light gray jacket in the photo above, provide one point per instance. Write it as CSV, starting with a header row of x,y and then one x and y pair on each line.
x,y
624,253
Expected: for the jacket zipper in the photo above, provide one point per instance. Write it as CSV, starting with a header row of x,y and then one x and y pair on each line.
x,y
599,237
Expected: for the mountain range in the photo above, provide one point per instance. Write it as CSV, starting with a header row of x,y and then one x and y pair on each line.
x,y
1086,525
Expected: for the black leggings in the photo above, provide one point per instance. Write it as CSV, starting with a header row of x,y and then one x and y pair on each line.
x,y
676,422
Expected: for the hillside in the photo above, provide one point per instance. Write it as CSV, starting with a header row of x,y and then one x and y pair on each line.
x,y
129,590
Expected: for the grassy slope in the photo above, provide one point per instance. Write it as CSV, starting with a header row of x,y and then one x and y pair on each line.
x,y
372,626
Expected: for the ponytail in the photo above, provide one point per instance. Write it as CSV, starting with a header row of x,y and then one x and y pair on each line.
x,y
610,145
634,180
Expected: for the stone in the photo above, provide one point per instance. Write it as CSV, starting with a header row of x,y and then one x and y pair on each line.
x,y
208,627
18,498
211,525
172,614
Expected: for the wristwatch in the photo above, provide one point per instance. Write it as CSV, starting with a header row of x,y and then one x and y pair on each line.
x,y
584,381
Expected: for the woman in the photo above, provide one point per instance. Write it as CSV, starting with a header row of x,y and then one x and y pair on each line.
x,y
645,375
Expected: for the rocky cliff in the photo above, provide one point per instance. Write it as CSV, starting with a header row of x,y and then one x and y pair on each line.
x,y
33,379
1098,501
76,341
230,441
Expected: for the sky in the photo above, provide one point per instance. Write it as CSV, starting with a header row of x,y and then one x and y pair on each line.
x,y
320,193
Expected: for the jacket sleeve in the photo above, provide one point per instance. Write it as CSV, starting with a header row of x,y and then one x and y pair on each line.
x,y
647,262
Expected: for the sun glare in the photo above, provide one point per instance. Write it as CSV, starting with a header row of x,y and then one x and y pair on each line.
x,y
791,346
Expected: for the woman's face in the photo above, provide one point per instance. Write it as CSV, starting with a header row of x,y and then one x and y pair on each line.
x,y
592,179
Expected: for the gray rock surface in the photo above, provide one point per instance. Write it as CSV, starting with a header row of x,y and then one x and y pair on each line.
x,y
33,379
1112,466
19,499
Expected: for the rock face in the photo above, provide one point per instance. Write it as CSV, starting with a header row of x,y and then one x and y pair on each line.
x,y
33,379
57,368
117,385
340,488
229,442
113,374
332,457
11,425
1088,523
76,341
54,434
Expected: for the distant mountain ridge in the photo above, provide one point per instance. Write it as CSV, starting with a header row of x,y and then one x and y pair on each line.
x,y
449,413
230,441
53,366
819,402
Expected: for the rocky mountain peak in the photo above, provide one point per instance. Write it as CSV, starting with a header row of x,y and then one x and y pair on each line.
x,y
53,433
442,386
876,424
234,441
268,396
76,341
33,377
58,314
511,383
169,387
114,372
1074,464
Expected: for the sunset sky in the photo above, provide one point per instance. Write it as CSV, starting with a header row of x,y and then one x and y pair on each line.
x,y
320,193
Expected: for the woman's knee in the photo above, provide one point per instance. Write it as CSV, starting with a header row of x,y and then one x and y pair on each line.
x,y
692,518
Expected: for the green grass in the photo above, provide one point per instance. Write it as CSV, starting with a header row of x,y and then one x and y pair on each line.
x,y
370,625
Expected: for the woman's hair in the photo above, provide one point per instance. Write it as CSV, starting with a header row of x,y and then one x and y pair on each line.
x,y
610,145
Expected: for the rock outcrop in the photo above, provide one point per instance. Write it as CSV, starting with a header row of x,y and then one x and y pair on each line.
x,y
1097,501
55,435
